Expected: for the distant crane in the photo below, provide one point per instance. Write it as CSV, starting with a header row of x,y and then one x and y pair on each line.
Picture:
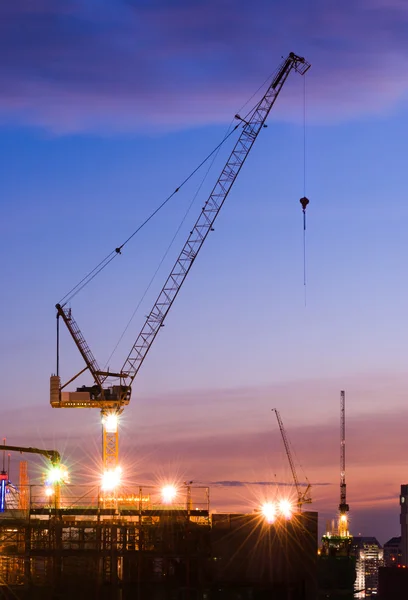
x,y
111,399
343,506
53,455
303,497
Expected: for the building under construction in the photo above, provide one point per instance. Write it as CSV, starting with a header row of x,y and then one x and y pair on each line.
x,y
69,545
63,541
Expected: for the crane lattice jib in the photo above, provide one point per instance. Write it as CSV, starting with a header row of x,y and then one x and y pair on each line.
x,y
205,221
84,349
288,452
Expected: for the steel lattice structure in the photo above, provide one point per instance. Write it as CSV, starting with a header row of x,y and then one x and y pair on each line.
x,y
112,399
204,224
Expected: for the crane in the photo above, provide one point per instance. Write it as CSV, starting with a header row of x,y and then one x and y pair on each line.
x,y
111,399
53,455
343,506
303,497
56,472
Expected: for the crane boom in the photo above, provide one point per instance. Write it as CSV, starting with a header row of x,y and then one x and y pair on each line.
x,y
53,455
209,213
303,497
111,400
120,395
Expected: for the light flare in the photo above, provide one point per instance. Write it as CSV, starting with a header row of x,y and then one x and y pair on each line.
x,y
111,479
286,508
49,491
110,422
269,512
168,493
57,474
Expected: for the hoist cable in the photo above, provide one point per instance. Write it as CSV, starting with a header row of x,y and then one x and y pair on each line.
x,y
166,252
304,186
154,275
71,293
88,278
176,190
104,263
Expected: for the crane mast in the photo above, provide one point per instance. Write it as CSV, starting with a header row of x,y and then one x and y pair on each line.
x,y
112,399
303,497
343,506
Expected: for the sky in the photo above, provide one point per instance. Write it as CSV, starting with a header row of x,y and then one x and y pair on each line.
x,y
105,108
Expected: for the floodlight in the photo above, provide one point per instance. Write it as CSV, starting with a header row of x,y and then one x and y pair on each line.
x,y
168,492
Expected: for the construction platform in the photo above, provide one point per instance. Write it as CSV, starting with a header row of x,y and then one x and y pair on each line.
x,y
73,545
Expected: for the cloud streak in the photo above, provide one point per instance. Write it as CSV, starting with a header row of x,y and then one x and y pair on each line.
x,y
228,439
133,66
261,483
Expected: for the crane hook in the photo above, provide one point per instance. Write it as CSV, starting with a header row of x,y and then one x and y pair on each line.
x,y
304,202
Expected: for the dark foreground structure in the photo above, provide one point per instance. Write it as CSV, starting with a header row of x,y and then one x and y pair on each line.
x,y
392,583
140,550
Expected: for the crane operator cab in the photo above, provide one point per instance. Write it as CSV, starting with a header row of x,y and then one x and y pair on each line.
x,y
88,396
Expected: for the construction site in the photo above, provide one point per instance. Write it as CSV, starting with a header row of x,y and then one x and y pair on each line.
x,y
163,544
62,540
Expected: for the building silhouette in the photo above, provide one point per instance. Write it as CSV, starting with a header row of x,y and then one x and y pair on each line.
x,y
369,557
393,552
404,523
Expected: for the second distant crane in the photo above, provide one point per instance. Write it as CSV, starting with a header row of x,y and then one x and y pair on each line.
x,y
303,496
343,506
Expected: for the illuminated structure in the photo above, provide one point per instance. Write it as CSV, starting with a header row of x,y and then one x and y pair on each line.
x,y
3,487
154,545
336,561
103,394
339,538
343,506
23,486
369,558
4,478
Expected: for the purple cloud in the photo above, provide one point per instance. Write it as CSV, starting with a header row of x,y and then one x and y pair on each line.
x,y
233,446
138,65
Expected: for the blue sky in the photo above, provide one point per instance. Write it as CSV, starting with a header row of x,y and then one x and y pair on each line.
x,y
104,109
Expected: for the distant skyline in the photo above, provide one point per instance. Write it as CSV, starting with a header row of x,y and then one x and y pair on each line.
x,y
105,107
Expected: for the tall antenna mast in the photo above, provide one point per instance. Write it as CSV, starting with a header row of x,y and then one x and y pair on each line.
x,y
343,506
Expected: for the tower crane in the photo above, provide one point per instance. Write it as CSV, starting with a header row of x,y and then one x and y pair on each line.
x,y
343,506
303,497
111,399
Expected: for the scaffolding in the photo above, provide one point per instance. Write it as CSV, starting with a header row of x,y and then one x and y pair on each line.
x,y
139,544
146,547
